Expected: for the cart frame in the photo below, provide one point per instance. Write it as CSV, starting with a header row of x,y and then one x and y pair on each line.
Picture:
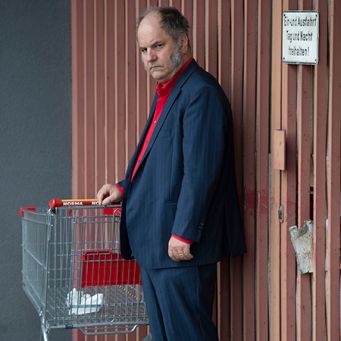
x,y
73,272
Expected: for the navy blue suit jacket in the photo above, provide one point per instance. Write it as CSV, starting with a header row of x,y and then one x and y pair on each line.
x,y
185,184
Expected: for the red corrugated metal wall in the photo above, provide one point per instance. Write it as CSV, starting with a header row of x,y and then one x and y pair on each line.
x,y
261,296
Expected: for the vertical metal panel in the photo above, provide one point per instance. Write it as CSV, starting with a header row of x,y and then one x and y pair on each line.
x,y
77,97
89,94
130,78
237,45
303,207
249,165
303,130
211,65
319,186
120,93
99,90
110,123
187,10
175,3
224,60
275,202
333,232
237,109
211,37
151,83
224,45
199,31
163,3
289,187
141,96
262,170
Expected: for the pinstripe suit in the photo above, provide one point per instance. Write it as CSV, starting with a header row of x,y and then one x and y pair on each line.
x,y
185,185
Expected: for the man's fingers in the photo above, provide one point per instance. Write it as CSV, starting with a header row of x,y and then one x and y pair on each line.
x,y
177,254
108,200
187,256
102,193
181,257
179,250
108,194
99,198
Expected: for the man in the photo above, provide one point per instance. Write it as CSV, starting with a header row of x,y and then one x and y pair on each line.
x,y
180,211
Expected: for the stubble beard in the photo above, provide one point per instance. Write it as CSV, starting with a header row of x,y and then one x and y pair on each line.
x,y
176,56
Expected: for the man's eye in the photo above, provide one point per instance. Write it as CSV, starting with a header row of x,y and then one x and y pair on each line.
x,y
143,50
158,46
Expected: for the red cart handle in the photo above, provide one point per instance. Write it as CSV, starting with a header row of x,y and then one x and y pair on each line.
x,y
53,203
23,209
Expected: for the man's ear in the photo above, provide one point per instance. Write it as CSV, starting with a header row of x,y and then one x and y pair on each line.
x,y
184,43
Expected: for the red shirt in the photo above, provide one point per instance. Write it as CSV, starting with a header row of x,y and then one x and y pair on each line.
x,y
163,90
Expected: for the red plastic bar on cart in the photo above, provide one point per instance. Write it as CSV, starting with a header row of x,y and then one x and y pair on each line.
x,y
53,203
22,209
103,267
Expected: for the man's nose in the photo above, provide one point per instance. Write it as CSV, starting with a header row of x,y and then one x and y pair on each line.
x,y
150,55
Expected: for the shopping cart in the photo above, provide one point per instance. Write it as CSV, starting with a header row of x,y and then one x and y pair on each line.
x,y
73,272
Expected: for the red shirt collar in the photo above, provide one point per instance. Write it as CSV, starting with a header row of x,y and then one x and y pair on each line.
x,y
163,89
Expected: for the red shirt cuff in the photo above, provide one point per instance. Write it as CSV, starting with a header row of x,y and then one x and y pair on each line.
x,y
182,239
120,188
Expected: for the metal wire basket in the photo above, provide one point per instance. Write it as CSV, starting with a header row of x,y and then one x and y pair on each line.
x,y
73,272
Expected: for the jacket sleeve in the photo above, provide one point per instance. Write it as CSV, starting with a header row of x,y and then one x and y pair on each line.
x,y
204,126
122,185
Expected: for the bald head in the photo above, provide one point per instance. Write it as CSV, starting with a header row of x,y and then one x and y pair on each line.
x,y
162,53
171,20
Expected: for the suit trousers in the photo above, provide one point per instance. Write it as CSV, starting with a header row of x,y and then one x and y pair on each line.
x,y
179,302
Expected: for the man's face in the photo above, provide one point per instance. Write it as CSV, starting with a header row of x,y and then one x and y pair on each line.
x,y
160,55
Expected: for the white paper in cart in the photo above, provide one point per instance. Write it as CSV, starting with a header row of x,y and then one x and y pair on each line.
x,y
80,303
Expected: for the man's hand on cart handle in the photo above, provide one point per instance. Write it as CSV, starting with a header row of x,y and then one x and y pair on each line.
x,y
109,194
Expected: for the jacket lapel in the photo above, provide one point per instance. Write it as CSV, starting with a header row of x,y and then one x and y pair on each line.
x,y
142,138
171,99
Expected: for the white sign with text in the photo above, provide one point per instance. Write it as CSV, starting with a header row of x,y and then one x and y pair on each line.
x,y
300,37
